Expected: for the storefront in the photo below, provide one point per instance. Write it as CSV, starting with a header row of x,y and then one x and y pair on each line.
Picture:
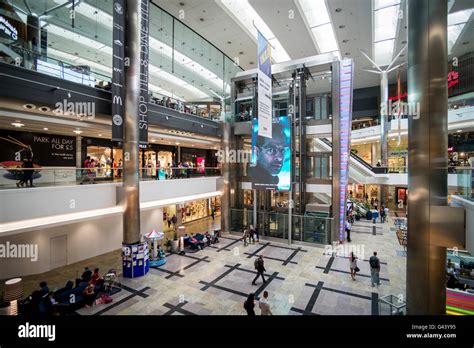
x,y
398,155
106,156
199,157
192,211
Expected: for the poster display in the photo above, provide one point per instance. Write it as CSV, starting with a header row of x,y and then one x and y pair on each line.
x,y
264,103
270,165
118,69
143,98
45,149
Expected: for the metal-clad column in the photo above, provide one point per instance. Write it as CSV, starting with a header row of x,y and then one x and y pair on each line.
x,y
131,173
427,146
384,125
226,184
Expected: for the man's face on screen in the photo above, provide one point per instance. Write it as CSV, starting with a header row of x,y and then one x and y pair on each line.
x,y
270,156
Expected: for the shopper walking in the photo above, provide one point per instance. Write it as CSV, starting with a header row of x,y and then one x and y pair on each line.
x,y
251,234
353,265
174,220
374,269
265,305
249,304
257,234
260,267
245,235
213,214
348,230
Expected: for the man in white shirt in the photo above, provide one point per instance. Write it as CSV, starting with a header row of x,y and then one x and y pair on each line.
x,y
265,305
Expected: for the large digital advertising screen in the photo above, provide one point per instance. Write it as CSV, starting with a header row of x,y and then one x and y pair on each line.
x,y
270,165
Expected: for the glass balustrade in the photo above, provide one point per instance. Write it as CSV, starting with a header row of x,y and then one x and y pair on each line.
x,y
16,177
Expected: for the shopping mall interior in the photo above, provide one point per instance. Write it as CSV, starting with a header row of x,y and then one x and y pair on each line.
x,y
159,156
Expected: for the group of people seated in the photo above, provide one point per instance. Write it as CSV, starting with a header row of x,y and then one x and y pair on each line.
x,y
86,291
199,241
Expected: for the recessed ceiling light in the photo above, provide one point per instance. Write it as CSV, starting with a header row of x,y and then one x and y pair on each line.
x,y
345,41
100,135
181,4
342,26
201,19
251,63
17,124
347,54
338,9
459,130
45,128
77,131
404,42
229,42
153,140
465,43
177,143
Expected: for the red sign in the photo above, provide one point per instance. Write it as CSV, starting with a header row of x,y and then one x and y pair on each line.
x,y
453,78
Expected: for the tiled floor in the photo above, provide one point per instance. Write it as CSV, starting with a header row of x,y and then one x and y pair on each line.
x,y
216,280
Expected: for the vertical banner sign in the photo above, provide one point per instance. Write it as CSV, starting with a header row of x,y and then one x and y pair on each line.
x,y
118,71
345,119
144,47
264,110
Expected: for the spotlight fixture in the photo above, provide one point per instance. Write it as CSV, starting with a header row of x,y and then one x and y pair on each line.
x,y
77,131
17,124
45,128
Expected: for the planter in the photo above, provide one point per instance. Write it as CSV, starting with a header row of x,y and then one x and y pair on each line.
x,y
175,246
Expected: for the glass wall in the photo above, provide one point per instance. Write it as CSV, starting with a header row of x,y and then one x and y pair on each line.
x,y
78,45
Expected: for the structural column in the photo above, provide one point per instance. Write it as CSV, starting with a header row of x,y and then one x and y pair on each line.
x,y
427,162
131,173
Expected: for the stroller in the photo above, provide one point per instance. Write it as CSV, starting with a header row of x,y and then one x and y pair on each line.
x,y
110,279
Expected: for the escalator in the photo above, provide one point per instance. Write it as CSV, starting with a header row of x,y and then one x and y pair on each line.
x,y
360,171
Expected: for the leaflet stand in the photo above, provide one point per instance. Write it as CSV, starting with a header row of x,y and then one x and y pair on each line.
x,y
135,260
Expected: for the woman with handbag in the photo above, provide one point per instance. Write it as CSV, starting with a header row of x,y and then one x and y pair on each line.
x,y
353,265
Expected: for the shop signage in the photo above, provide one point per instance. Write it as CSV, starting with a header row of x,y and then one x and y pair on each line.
x,y
45,149
264,87
144,48
118,69
8,28
453,78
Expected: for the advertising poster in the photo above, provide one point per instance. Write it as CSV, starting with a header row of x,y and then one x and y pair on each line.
x,y
46,150
270,166
118,67
264,111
